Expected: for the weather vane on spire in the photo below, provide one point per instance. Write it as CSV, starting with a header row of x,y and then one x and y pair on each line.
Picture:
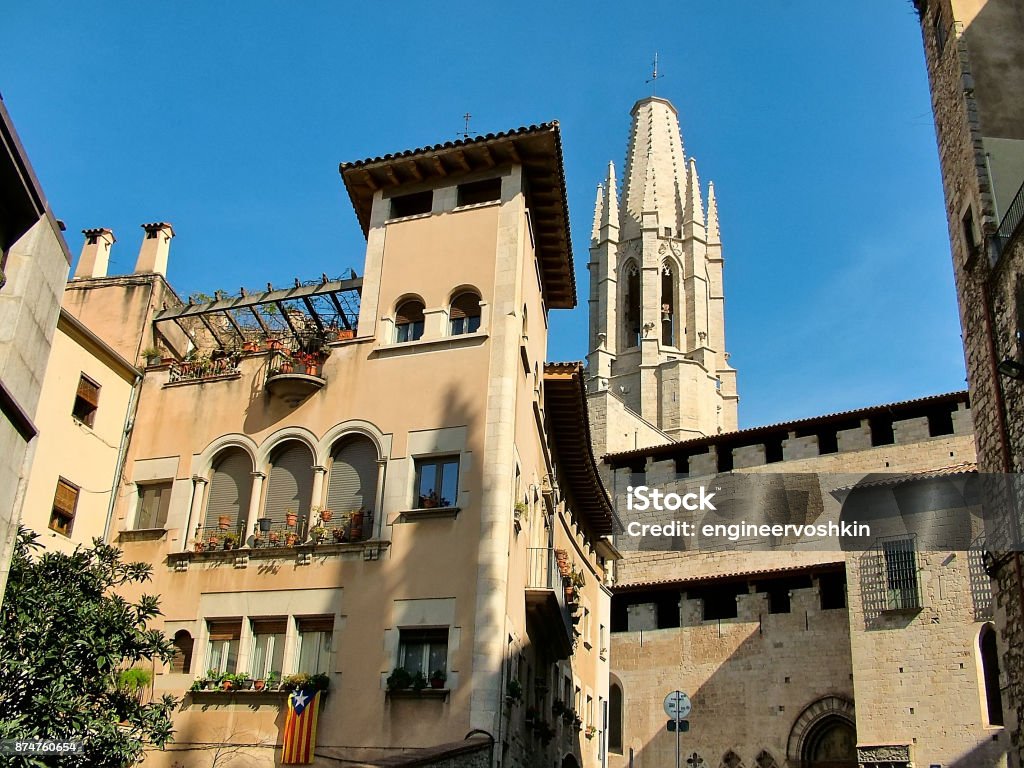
x,y
653,79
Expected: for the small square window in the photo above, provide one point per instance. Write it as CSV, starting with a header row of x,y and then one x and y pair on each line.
x,y
87,400
476,192
316,637
65,500
437,482
154,500
424,651
411,205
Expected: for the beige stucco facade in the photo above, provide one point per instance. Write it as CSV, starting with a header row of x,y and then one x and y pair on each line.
x,y
475,572
84,455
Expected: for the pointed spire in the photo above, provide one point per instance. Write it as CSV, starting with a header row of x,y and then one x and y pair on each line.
x,y
599,214
713,236
655,167
611,202
694,210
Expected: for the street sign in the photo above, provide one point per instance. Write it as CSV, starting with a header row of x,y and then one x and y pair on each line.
x,y
677,705
684,726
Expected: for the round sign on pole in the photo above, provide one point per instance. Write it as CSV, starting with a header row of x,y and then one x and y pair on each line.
x,y
677,705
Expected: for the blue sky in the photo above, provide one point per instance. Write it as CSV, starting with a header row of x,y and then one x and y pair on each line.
x,y
813,119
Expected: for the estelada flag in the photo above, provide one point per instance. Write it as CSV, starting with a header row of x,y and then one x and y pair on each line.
x,y
300,728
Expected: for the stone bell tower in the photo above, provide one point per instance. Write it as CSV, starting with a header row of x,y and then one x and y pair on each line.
x,y
657,364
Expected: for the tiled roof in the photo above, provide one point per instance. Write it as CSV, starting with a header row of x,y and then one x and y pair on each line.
x,y
954,470
832,565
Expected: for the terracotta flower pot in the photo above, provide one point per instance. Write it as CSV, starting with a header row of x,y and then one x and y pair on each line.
x,y
326,515
224,522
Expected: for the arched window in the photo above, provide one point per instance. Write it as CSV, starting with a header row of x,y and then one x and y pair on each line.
x,y
764,759
632,315
731,760
615,719
668,307
464,315
352,487
290,486
182,661
230,488
409,321
990,675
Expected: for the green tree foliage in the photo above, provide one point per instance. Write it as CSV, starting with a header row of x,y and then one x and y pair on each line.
x,y
66,639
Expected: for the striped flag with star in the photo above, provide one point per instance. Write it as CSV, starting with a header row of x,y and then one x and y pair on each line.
x,y
300,728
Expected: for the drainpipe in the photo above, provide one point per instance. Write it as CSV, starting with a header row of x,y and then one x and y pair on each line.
x,y
122,452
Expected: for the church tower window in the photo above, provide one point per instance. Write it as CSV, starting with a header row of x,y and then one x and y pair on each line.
x,y
632,315
668,325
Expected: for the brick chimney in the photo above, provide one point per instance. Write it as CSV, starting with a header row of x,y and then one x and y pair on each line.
x,y
95,253
155,246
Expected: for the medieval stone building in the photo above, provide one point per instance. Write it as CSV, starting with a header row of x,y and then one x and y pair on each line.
x,y
793,655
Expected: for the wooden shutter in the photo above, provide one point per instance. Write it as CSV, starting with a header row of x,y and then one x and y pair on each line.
x,y
409,312
353,481
269,626
230,629
89,391
230,488
291,482
465,305
65,499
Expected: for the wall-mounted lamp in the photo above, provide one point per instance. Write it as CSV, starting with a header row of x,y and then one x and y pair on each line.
x,y
1011,369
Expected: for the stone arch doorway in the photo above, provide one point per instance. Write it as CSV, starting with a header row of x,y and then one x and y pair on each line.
x,y
569,761
824,735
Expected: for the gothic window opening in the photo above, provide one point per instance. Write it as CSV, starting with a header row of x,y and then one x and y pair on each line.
x,y
764,759
990,677
632,316
668,325
731,760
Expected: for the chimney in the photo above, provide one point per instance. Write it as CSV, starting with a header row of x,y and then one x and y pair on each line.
x,y
95,253
155,245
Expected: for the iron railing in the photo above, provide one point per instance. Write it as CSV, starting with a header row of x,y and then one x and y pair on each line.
x,y
195,370
213,538
541,569
1011,221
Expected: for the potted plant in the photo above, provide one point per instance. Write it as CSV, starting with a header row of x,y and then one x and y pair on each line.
x,y
338,534
419,682
532,715
345,335
243,681
577,722
230,541
291,539
519,512
274,344
227,683
200,546
578,579
285,366
562,560
591,731
318,682
273,681
213,678
438,678
399,679
557,707
152,355
326,515
568,716
198,684
257,540
291,517
356,525
318,533
295,682
265,524
259,684
274,537
212,541
224,522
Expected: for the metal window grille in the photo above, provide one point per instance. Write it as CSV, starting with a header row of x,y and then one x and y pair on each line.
x,y
902,585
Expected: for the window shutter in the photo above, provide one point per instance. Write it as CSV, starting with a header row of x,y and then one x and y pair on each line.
x,y
89,391
317,624
353,482
269,626
230,489
225,630
65,498
409,312
291,482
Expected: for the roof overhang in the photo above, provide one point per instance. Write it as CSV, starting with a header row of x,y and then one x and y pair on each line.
x,y
537,148
565,408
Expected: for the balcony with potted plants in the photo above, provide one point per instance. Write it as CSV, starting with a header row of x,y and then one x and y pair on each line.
x,y
295,328
219,687
402,684
328,533
548,598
